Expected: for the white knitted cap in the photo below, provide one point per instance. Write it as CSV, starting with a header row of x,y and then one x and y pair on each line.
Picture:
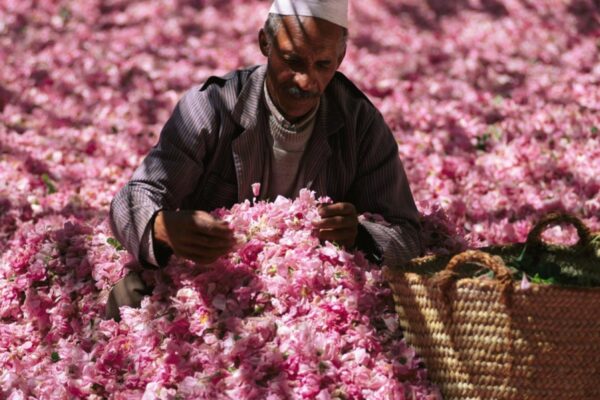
x,y
335,11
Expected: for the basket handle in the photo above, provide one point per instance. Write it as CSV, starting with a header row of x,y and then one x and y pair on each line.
x,y
494,263
535,235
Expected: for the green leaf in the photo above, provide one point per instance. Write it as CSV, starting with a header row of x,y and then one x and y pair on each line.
x,y
50,186
258,309
542,281
65,13
322,367
115,243
521,257
594,130
339,394
54,356
519,264
482,141
494,132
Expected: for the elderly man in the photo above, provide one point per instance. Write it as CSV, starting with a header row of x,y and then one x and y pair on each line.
x,y
293,123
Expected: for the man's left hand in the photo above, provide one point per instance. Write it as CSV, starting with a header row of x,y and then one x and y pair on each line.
x,y
339,223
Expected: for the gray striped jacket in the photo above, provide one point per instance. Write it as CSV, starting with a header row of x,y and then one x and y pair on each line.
x,y
215,146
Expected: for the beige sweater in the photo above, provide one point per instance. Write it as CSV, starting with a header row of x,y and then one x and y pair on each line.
x,y
288,144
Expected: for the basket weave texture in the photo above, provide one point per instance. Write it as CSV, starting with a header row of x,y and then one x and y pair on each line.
x,y
494,338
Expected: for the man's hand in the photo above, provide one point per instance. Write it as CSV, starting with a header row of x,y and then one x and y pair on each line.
x,y
195,235
339,223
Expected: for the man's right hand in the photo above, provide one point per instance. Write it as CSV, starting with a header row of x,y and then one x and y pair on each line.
x,y
195,235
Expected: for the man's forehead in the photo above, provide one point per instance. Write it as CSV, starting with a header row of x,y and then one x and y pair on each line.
x,y
299,31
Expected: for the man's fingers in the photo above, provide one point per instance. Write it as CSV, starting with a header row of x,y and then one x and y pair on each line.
x,y
200,259
211,242
338,222
346,240
195,235
336,209
194,248
194,251
213,228
202,255
220,229
338,235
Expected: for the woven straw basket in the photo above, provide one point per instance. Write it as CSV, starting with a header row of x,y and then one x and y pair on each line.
x,y
494,339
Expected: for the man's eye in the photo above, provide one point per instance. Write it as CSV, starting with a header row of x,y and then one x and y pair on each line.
x,y
324,65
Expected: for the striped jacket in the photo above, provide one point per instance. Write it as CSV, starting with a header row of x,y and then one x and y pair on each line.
x,y
215,145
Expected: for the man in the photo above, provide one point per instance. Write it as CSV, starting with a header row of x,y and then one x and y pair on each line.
x,y
293,123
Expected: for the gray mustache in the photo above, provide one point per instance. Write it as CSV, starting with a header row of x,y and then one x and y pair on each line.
x,y
301,94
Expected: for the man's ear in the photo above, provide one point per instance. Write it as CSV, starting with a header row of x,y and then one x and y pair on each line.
x,y
263,42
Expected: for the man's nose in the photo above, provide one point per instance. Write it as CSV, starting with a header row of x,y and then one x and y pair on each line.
x,y
306,81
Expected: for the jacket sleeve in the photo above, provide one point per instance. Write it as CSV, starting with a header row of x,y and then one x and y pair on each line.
x,y
392,234
168,174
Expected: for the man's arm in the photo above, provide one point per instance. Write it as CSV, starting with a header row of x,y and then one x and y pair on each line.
x,y
381,187
195,235
169,173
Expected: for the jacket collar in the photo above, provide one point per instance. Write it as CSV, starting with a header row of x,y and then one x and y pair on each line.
x,y
250,147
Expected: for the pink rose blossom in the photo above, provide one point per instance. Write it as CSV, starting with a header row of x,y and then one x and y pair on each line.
x,y
256,189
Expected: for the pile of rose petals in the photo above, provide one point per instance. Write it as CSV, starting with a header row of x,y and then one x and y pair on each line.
x,y
283,316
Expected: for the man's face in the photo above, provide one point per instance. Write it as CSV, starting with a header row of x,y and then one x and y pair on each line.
x,y
301,60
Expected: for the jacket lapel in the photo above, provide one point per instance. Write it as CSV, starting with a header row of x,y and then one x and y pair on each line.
x,y
251,146
318,151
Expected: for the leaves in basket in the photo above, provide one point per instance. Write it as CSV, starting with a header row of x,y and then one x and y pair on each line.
x,y
549,268
543,281
541,273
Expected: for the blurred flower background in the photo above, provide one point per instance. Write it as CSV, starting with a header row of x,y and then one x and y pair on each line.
x,y
495,105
